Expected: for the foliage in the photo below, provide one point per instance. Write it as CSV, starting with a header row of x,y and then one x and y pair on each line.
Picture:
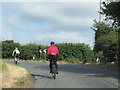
x,y
118,53
106,37
73,60
7,48
75,52
71,52
100,56
106,40
29,50
26,51
112,11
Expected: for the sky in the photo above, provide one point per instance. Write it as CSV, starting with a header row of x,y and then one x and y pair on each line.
x,y
42,22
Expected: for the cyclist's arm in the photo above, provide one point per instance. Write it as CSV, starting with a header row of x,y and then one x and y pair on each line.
x,y
13,53
58,54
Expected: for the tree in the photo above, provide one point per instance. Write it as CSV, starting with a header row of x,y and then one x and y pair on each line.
x,y
106,37
7,48
112,12
106,40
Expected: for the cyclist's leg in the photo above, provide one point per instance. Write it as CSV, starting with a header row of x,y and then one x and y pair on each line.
x,y
55,62
56,66
52,58
50,65
15,58
18,57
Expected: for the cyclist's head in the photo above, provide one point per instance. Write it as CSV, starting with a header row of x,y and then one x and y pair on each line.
x,y
16,48
52,43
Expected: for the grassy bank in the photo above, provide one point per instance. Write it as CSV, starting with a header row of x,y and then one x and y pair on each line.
x,y
3,67
14,76
23,82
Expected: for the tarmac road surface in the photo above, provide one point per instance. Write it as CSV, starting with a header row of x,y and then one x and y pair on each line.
x,y
71,76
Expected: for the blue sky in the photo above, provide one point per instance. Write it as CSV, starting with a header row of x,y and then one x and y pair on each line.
x,y
41,22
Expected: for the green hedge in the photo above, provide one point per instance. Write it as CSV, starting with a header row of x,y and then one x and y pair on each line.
x,y
71,52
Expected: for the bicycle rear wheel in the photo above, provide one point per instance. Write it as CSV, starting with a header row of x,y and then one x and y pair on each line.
x,y
54,71
54,76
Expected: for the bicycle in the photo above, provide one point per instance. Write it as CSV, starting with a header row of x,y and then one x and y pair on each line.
x,y
54,70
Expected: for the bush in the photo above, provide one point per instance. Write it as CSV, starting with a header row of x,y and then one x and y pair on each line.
x,y
75,52
73,60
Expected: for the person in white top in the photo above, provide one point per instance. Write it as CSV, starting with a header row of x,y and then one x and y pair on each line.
x,y
16,54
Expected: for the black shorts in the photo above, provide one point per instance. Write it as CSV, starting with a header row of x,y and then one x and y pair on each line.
x,y
17,55
53,57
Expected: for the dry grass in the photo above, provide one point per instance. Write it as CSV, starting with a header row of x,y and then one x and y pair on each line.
x,y
0,74
12,76
0,81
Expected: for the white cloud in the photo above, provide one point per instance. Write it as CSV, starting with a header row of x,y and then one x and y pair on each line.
x,y
62,37
50,15
50,0
18,22
58,10
0,21
50,21
6,34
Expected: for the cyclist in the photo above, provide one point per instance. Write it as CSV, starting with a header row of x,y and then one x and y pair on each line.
x,y
16,54
53,54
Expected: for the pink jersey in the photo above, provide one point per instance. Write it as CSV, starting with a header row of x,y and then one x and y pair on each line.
x,y
53,49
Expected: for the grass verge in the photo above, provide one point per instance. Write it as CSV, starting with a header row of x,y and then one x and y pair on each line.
x,y
0,66
23,82
3,67
15,77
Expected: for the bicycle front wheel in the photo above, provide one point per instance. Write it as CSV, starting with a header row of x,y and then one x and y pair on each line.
x,y
15,62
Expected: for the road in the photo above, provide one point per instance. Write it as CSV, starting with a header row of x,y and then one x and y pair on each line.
x,y
71,76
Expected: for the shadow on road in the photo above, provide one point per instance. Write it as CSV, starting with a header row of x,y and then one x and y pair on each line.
x,y
42,76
